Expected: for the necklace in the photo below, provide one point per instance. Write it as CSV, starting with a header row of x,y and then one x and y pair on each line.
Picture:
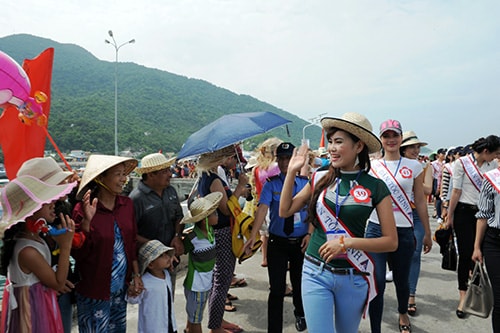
x,y
399,164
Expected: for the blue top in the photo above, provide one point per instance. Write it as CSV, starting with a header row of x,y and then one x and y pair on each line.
x,y
270,196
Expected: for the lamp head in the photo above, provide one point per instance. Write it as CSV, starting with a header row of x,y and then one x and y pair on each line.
x,y
107,41
110,33
132,41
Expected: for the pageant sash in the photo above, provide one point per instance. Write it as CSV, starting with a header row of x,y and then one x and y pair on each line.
x,y
398,195
357,258
493,176
472,171
449,168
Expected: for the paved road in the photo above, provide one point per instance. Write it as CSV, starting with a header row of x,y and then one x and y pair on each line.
x,y
436,300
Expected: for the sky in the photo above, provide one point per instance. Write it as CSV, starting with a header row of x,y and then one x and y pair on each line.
x,y
431,64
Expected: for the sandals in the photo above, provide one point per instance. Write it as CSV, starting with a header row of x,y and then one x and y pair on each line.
x,y
238,283
232,297
233,328
412,309
404,328
229,307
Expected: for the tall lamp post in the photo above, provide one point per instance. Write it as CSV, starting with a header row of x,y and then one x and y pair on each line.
x,y
313,121
117,48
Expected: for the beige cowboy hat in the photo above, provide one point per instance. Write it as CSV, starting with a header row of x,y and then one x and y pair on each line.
x,y
202,207
410,138
252,161
322,151
208,161
24,195
154,162
97,164
44,168
356,124
150,251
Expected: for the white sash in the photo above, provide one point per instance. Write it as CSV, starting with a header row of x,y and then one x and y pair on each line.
x,y
398,195
472,172
359,259
493,177
449,168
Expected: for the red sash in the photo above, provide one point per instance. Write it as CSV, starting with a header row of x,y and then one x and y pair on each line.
x,y
493,176
472,171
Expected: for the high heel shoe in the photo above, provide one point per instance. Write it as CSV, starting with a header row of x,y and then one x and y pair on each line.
x,y
460,314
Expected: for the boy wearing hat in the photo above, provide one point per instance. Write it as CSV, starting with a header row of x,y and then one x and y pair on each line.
x,y
156,306
200,245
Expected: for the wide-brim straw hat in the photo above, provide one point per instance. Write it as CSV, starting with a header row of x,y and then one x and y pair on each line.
x,y
24,195
154,162
410,138
208,161
202,207
150,251
97,164
44,168
356,124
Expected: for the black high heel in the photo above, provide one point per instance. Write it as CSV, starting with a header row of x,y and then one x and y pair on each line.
x,y
460,314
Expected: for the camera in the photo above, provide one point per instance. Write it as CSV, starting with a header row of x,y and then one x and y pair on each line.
x,y
249,196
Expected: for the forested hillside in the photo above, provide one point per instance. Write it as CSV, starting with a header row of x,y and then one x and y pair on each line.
x,y
156,109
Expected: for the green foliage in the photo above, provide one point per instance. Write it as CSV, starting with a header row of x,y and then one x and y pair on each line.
x,y
156,109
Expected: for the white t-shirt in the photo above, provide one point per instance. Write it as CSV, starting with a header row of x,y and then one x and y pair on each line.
x,y
470,194
411,169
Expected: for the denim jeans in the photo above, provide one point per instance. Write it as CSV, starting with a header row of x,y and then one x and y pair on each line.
x,y
401,259
332,302
418,229
66,308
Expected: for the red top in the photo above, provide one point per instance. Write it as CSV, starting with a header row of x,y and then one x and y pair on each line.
x,y
95,257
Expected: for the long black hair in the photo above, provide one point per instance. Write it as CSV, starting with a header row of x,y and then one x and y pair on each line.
x,y
333,174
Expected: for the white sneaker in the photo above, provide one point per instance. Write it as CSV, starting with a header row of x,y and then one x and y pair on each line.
x,y
439,220
388,276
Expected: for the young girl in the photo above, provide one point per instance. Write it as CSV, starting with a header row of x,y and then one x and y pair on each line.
x,y
200,244
338,275
25,257
156,305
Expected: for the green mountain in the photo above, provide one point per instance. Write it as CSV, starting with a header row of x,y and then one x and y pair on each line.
x,y
156,109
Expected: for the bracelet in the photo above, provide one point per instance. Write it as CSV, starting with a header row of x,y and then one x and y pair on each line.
x,y
342,244
308,234
134,275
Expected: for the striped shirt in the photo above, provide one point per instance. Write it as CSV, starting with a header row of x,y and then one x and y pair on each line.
x,y
489,205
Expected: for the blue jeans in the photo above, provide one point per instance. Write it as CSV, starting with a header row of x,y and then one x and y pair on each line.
x,y
401,259
66,308
418,230
332,302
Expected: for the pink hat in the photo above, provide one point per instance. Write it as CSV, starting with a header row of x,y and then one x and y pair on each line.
x,y
24,195
391,125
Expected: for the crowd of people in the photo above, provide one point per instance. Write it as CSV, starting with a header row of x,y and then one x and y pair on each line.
x,y
332,219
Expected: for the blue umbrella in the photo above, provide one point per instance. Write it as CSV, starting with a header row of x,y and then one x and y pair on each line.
x,y
228,130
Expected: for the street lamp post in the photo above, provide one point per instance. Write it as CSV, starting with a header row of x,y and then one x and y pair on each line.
x,y
313,121
117,48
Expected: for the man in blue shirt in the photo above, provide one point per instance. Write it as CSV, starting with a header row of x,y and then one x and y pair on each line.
x,y
288,239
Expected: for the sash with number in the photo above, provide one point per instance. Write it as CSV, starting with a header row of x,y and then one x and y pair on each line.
x,y
398,195
357,258
493,176
472,171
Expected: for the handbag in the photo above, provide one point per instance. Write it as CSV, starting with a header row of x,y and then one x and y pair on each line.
x,y
479,296
449,260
